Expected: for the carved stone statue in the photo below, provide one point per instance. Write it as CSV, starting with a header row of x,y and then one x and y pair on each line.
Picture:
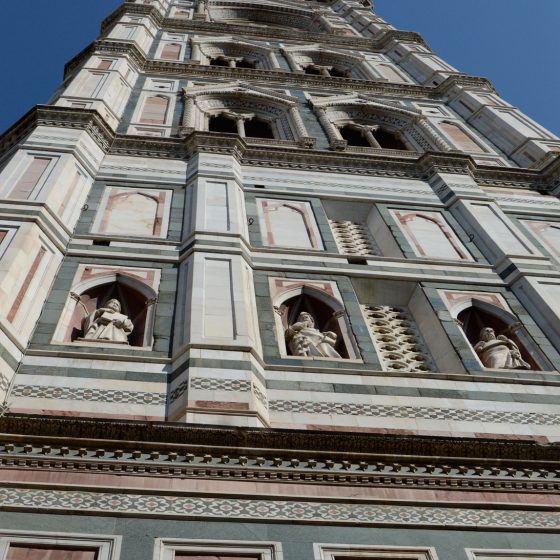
x,y
304,339
499,352
107,323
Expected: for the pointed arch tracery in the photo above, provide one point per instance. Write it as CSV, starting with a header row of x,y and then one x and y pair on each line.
x,y
316,60
234,52
275,115
406,127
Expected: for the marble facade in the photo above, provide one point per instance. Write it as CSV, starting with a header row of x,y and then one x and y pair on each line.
x,y
246,257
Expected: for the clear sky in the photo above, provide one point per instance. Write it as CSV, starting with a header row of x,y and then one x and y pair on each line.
x,y
512,42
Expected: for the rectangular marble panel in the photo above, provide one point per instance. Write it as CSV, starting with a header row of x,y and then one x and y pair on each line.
x,y
219,308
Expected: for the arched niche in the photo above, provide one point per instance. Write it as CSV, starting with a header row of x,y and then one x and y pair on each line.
x,y
327,313
137,303
473,315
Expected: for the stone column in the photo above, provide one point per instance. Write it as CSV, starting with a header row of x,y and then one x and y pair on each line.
x,y
433,137
187,125
303,139
336,140
366,131
240,126
196,52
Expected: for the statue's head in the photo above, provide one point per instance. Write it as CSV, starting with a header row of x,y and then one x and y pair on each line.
x,y
306,318
114,304
487,333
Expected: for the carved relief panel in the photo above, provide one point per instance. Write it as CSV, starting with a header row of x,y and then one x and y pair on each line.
x,y
397,339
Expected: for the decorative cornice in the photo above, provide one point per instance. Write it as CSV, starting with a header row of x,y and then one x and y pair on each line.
x,y
281,78
290,466
287,155
63,117
168,436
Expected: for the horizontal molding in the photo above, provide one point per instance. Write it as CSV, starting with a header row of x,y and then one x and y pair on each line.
x,y
293,512
16,427
272,156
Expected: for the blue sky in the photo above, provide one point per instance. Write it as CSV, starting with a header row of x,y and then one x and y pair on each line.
x,y
512,42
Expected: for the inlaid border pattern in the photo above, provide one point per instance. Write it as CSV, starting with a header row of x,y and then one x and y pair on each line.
x,y
267,510
424,412
88,394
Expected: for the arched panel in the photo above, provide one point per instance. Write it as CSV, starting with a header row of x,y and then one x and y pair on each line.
x,y
131,213
430,236
289,224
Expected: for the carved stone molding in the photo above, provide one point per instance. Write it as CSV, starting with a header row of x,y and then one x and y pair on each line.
x,y
111,433
270,153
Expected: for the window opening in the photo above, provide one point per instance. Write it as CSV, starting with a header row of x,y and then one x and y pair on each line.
x,y
354,136
258,128
221,123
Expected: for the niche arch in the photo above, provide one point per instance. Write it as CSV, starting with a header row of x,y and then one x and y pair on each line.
x,y
382,125
473,314
137,299
326,309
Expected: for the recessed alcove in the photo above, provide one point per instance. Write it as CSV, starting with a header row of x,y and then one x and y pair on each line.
x,y
93,289
258,128
405,330
481,315
133,305
323,315
222,123
311,320
351,230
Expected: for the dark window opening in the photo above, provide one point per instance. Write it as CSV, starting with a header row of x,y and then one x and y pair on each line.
x,y
102,242
354,137
356,260
246,64
388,140
312,70
337,73
219,61
257,128
221,123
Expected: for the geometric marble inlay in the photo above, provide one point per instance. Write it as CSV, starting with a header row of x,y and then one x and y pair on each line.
x,y
296,511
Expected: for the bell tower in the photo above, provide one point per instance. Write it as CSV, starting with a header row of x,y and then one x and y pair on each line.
x,y
278,283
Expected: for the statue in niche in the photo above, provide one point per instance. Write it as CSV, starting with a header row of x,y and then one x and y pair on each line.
x,y
107,324
499,352
304,339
